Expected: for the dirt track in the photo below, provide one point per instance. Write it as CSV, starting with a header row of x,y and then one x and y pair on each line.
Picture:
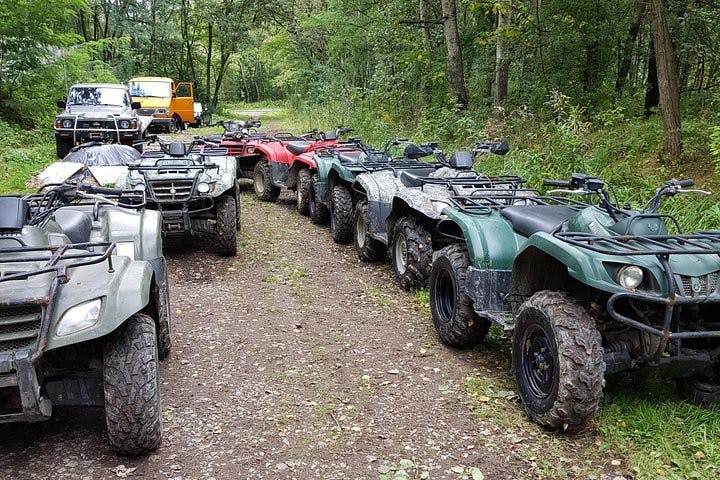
x,y
292,360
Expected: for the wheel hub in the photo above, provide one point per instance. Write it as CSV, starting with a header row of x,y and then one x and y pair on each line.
x,y
539,362
400,254
360,230
259,182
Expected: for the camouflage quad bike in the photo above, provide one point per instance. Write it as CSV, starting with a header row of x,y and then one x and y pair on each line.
x,y
400,209
586,289
331,194
84,309
195,190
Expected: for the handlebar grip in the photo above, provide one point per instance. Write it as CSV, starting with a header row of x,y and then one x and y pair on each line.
x,y
556,183
686,183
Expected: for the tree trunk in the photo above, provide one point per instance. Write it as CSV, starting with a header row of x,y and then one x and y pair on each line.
x,y
208,92
452,42
502,59
424,90
667,79
626,56
652,93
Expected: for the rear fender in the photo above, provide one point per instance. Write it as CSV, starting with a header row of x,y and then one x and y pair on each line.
x,y
301,161
491,242
124,291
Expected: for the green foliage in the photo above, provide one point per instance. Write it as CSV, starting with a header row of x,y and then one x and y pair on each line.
x,y
23,153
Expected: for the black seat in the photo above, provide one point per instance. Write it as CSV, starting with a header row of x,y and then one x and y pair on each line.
x,y
527,220
297,147
215,138
349,157
76,224
410,180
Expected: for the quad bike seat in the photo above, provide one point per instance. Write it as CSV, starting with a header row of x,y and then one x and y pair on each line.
x,y
349,157
215,138
527,220
297,147
410,180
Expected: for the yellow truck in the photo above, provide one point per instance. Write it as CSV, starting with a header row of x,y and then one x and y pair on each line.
x,y
169,104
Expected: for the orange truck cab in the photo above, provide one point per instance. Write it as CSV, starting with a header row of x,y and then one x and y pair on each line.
x,y
169,104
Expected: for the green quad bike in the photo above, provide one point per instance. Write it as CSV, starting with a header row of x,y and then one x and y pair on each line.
x,y
399,209
84,309
332,194
195,189
586,289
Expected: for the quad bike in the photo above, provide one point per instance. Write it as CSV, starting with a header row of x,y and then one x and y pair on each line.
x,y
194,189
332,195
287,161
84,309
401,208
587,290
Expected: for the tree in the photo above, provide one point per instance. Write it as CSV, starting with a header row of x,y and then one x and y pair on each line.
x,y
502,58
454,54
667,79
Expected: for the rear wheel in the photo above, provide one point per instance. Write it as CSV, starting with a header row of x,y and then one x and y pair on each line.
x,y
455,320
262,182
164,328
558,361
132,389
62,147
411,253
368,248
341,214
303,190
701,390
318,211
226,226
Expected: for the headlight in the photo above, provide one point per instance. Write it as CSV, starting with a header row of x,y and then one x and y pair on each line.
x,y
630,277
125,124
140,187
161,111
125,249
79,317
67,123
203,187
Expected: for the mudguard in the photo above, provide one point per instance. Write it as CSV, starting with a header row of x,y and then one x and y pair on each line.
x,y
124,292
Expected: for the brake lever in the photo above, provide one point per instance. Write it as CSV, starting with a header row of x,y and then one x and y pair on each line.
x,y
579,191
694,190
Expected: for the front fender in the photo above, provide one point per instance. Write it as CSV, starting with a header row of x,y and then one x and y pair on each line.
x,y
124,291
323,164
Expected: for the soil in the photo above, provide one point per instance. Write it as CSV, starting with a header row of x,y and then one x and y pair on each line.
x,y
295,360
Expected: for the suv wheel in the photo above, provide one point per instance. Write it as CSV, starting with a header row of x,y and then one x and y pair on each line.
x,y
318,211
341,214
368,248
262,184
456,322
132,390
303,190
62,147
411,253
558,361
226,226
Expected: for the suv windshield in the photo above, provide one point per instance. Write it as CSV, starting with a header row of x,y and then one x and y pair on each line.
x,y
150,89
98,96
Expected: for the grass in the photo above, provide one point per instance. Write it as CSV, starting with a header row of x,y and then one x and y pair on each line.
x,y
23,153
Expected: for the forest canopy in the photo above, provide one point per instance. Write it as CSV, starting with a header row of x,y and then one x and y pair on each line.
x,y
626,57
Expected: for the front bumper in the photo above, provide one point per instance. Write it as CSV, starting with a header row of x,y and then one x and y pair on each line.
x,y
97,135
19,377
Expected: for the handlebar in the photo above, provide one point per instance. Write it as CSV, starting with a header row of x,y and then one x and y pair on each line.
x,y
556,183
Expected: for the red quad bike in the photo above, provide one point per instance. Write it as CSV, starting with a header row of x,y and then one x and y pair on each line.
x,y
240,139
287,161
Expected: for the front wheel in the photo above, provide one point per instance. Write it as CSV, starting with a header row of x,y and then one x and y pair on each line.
x,y
262,182
226,226
341,214
411,253
63,147
558,361
132,389
368,248
455,320
303,190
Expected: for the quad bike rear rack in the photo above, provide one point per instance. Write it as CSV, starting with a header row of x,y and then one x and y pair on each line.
x,y
491,199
